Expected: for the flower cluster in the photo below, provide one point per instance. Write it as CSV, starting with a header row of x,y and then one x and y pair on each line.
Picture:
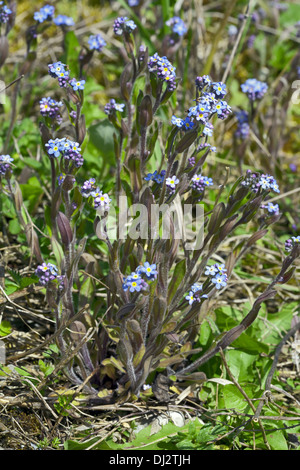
x,y
101,200
136,281
96,42
209,103
254,89
123,25
5,164
88,187
66,148
61,72
111,107
178,26
291,242
50,107
271,208
218,275
63,20
46,272
5,13
44,14
199,183
243,127
255,181
157,177
163,69
195,294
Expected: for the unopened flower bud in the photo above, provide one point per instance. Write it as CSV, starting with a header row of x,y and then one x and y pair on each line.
x,y
145,115
64,228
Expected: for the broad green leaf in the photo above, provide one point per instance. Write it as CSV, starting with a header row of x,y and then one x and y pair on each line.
x,y
277,440
14,226
233,398
10,287
32,193
5,328
250,345
240,364
291,15
33,163
101,136
280,322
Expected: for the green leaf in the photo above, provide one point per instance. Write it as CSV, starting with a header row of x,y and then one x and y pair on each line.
x,y
290,16
250,345
282,53
32,193
179,273
7,207
15,275
276,440
240,364
47,369
57,251
86,290
14,226
233,398
71,50
281,322
10,287
198,436
33,163
5,328
146,439
101,136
